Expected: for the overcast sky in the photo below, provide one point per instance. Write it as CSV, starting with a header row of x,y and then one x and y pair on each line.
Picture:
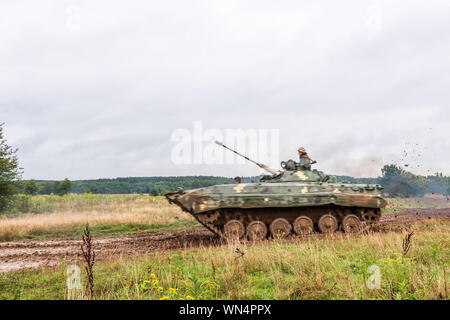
x,y
92,89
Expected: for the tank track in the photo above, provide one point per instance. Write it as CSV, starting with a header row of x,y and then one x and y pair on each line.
x,y
321,219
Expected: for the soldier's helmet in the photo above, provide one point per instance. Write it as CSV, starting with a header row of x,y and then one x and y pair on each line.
x,y
301,149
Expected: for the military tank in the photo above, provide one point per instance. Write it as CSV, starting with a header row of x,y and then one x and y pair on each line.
x,y
296,200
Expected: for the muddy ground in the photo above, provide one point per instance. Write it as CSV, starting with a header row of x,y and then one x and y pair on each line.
x,y
16,256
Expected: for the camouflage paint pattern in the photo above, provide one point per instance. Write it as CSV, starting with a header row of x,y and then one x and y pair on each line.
x,y
286,194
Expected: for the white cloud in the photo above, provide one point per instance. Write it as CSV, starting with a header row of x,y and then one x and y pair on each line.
x,y
102,100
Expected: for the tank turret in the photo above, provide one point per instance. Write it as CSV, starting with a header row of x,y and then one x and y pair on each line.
x,y
293,171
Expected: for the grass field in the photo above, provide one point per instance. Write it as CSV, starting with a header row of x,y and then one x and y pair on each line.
x,y
55,216
334,268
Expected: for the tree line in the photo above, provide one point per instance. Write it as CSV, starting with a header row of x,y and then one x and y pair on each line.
x,y
146,185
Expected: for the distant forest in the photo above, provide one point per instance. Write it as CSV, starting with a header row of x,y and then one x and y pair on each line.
x,y
395,180
148,185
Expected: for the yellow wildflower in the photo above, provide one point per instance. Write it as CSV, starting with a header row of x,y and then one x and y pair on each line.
x,y
164,298
155,282
173,290
190,298
160,289
152,275
147,281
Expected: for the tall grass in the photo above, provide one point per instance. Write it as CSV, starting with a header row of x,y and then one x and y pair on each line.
x,y
330,268
50,214
70,202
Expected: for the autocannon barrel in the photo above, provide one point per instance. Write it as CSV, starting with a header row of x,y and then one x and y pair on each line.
x,y
261,165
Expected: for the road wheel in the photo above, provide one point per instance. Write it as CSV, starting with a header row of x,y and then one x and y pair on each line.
x,y
280,228
351,224
234,230
328,223
256,231
370,215
303,225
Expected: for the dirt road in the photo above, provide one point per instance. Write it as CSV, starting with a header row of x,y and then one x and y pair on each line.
x,y
37,253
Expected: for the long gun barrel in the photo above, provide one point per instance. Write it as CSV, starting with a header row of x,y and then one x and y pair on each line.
x,y
261,165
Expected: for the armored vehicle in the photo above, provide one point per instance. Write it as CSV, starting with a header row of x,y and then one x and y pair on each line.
x,y
296,200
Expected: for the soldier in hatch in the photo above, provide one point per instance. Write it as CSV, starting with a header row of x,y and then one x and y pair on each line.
x,y
304,156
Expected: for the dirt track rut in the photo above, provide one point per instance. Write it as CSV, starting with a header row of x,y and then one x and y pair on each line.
x,y
37,253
